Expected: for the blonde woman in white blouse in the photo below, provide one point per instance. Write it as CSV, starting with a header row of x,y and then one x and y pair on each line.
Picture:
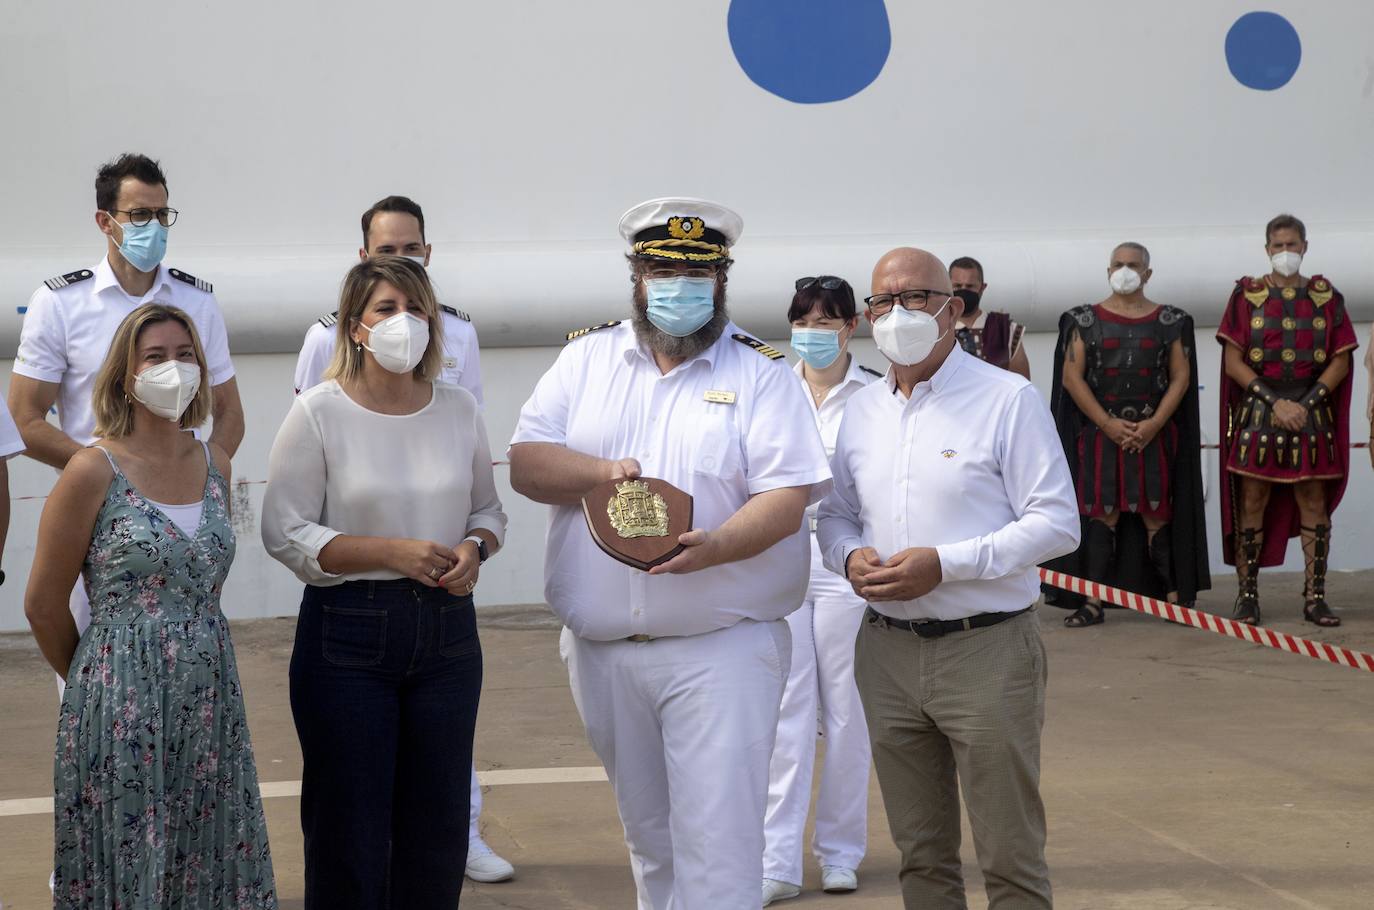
x,y
380,498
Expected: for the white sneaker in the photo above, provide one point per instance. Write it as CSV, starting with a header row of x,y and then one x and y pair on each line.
x,y
488,867
838,880
774,890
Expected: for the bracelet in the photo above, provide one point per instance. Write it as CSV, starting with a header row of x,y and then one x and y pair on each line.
x,y
1315,395
1262,392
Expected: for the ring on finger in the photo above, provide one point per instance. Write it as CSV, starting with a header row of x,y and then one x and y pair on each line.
x,y
435,573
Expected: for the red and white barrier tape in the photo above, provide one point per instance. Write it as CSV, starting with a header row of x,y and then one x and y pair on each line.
x,y
1259,635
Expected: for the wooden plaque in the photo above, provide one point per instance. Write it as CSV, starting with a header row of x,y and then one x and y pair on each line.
x,y
638,521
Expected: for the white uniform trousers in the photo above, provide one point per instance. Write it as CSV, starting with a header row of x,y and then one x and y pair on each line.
x,y
80,605
822,677
685,727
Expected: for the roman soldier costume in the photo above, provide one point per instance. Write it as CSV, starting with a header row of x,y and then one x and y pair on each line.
x,y
1288,336
1127,368
993,336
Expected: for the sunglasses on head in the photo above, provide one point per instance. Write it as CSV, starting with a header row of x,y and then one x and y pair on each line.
x,y
827,283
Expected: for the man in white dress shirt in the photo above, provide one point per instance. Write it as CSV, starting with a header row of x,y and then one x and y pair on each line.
x,y
678,672
395,226
939,521
70,320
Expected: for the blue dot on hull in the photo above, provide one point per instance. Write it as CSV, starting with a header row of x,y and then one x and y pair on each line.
x,y
810,51
1263,51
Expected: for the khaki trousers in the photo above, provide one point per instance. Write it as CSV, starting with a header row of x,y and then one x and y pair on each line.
x,y
960,712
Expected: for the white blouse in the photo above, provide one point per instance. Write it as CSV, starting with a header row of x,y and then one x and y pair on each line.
x,y
339,468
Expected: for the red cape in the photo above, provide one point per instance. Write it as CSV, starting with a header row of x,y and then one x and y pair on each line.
x,y
1281,521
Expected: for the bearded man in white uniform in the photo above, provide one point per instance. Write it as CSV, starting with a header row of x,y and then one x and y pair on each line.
x,y
678,672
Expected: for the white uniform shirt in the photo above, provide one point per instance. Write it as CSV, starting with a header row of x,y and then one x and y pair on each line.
x,y
831,410
338,468
460,364
11,443
606,397
971,465
67,333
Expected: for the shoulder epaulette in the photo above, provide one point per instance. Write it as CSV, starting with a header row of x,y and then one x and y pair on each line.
x,y
771,353
455,312
1254,290
870,372
330,320
61,281
1318,283
1084,315
1168,315
578,333
199,284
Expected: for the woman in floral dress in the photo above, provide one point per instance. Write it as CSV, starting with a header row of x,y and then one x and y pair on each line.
x,y
156,793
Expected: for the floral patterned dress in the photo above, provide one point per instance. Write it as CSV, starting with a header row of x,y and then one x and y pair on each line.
x,y
157,801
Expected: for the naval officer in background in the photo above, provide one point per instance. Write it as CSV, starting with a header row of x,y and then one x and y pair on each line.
x,y
678,672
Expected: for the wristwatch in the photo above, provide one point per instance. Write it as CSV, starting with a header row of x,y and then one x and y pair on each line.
x,y
481,547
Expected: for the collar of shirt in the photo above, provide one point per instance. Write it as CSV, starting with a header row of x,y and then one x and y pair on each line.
x,y
851,375
632,347
105,279
937,383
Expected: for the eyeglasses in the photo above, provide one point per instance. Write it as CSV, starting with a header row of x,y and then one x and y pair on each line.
x,y
827,283
679,273
139,217
914,299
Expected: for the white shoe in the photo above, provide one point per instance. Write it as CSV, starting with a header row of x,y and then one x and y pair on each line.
x,y
488,867
838,880
774,890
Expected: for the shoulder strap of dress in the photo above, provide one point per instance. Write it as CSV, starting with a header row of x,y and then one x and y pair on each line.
x,y
108,457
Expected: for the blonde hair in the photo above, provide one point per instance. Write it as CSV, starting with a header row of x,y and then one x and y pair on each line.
x,y
358,287
112,400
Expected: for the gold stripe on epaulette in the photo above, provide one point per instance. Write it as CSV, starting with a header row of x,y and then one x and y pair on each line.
x,y
771,353
578,333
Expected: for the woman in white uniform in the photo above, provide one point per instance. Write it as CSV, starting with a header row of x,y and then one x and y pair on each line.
x,y
824,318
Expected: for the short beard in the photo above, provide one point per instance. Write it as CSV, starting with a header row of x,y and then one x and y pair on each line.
x,y
671,346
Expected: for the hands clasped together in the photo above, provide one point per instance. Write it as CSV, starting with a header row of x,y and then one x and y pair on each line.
x,y
434,565
1132,435
907,575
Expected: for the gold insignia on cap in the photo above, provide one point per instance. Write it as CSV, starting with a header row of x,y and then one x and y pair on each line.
x,y
686,228
1256,355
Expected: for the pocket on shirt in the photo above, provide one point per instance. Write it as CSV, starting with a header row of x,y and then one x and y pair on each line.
x,y
716,438
458,628
354,636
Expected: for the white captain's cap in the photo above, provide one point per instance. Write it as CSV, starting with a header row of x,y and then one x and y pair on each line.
x,y
680,229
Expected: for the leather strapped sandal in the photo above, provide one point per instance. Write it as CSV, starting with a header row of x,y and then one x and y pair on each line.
x,y
1247,609
1086,615
1316,544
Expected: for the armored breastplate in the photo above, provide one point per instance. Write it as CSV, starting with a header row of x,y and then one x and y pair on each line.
x,y
1128,364
1287,329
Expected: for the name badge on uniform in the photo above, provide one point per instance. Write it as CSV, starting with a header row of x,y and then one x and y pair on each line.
x,y
719,397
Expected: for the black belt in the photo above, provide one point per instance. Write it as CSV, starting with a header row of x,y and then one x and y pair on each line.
x,y
935,628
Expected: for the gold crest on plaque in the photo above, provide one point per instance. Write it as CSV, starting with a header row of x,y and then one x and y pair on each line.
x,y
636,512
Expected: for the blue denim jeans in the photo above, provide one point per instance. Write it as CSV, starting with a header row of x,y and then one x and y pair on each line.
x,y
385,678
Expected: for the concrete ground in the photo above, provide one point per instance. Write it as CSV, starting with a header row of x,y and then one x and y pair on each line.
x,y
1182,770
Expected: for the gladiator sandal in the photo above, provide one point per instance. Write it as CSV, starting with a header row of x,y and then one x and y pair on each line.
x,y
1316,546
1099,549
1247,571
1162,558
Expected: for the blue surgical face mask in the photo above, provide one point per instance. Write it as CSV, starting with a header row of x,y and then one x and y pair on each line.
x,y
680,306
819,348
143,247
